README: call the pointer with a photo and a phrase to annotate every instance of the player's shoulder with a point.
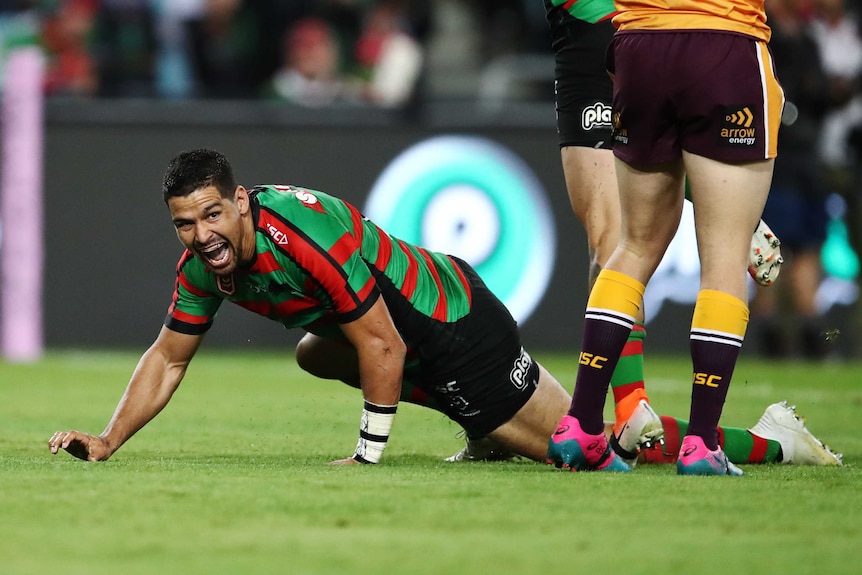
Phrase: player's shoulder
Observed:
(274, 192)
(192, 271)
(282, 198)
(186, 260)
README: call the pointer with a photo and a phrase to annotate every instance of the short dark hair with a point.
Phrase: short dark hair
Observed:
(195, 169)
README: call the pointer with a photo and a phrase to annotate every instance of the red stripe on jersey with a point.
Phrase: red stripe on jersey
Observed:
(358, 226)
(283, 309)
(187, 255)
(367, 290)
(440, 310)
(263, 308)
(312, 258)
(174, 297)
(464, 283)
(384, 250)
(412, 273)
(181, 278)
(609, 16)
(265, 263)
(292, 306)
(188, 318)
(194, 290)
(568, 4)
(345, 247)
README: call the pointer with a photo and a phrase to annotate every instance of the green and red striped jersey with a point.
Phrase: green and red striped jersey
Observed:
(317, 264)
(591, 11)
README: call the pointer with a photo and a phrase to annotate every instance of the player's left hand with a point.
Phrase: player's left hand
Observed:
(79, 444)
(348, 461)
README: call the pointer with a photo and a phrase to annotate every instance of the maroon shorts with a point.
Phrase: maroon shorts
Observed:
(706, 92)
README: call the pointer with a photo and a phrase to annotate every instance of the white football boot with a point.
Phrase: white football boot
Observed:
(765, 255)
(643, 428)
(781, 423)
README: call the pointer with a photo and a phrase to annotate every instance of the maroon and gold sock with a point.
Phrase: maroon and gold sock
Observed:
(717, 331)
(611, 310)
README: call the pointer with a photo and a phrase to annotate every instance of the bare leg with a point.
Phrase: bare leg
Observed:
(528, 431)
(728, 200)
(653, 207)
(593, 193)
(592, 188)
(328, 358)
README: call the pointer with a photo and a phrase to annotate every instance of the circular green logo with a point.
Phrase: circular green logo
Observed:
(472, 198)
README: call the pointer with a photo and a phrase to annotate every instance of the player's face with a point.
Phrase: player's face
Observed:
(212, 227)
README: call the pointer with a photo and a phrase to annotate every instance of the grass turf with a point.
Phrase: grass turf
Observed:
(232, 478)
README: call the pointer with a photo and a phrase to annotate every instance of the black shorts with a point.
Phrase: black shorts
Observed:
(584, 90)
(475, 367)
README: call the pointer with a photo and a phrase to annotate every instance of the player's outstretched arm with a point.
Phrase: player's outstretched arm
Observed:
(158, 374)
(381, 354)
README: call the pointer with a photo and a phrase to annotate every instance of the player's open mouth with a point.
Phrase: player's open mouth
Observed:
(216, 255)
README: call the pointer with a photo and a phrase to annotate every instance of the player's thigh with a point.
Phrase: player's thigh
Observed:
(592, 188)
(728, 200)
(651, 198)
(328, 358)
(528, 431)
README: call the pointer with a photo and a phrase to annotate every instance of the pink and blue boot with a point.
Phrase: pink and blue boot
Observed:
(696, 459)
(571, 448)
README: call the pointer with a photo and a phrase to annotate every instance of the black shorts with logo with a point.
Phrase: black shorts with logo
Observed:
(584, 91)
(475, 367)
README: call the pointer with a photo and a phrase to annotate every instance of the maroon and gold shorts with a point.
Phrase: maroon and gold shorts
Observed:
(710, 93)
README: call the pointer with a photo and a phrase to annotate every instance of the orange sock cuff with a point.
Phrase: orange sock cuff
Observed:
(721, 312)
(624, 408)
(617, 292)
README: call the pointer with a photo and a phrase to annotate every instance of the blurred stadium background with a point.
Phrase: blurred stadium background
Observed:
(461, 154)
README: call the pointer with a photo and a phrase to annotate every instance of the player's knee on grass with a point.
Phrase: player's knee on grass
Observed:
(328, 359)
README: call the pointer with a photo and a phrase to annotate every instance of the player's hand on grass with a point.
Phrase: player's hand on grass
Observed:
(81, 445)
(348, 461)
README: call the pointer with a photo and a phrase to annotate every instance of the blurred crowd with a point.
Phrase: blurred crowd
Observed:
(312, 52)
(813, 204)
(397, 53)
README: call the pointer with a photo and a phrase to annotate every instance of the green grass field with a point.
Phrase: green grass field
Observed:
(232, 479)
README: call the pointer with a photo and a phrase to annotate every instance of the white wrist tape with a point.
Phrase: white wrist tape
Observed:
(374, 431)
